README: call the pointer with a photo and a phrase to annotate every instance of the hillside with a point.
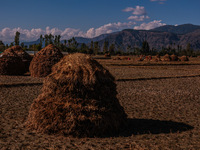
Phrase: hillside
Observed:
(157, 38)
(181, 29)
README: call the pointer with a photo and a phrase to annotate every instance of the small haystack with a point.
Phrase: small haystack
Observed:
(11, 63)
(174, 57)
(148, 58)
(141, 58)
(166, 58)
(107, 55)
(184, 58)
(156, 58)
(78, 99)
(44, 60)
(26, 58)
(117, 58)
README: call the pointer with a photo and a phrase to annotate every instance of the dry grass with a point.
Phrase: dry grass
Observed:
(163, 113)
(79, 99)
(43, 61)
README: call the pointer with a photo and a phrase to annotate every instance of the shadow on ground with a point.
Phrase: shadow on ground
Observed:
(148, 126)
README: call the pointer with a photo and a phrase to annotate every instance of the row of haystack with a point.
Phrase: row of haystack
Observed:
(173, 57)
(14, 61)
(166, 57)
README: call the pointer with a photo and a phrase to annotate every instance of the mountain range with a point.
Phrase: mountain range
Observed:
(164, 36)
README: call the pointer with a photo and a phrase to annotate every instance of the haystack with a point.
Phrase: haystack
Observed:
(184, 58)
(166, 58)
(174, 57)
(107, 55)
(156, 58)
(44, 60)
(11, 63)
(141, 58)
(26, 58)
(78, 99)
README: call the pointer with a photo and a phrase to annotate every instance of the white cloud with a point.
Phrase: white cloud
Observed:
(138, 10)
(160, 1)
(150, 25)
(138, 18)
(8, 34)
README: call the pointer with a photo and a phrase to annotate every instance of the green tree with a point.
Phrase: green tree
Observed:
(105, 47)
(96, 47)
(84, 48)
(112, 49)
(145, 47)
(46, 38)
(17, 38)
(2, 46)
(65, 42)
(41, 40)
(22, 45)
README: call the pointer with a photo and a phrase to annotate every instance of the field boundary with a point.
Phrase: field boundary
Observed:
(157, 78)
(19, 84)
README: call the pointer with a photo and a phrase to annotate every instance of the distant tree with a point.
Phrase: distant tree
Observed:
(65, 42)
(51, 37)
(84, 48)
(22, 45)
(112, 49)
(41, 40)
(17, 38)
(46, 38)
(92, 45)
(128, 48)
(2, 46)
(189, 50)
(145, 47)
(11, 44)
(105, 47)
(91, 49)
(96, 47)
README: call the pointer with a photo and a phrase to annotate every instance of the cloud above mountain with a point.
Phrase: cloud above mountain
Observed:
(8, 34)
(150, 25)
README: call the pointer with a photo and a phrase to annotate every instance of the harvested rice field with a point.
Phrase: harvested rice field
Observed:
(162, 102)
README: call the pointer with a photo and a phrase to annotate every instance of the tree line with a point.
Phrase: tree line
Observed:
(71, 46)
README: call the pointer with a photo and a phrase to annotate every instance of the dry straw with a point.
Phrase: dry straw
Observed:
(166, 58)
(78, 99)
(44, 60)
(26, 58)
(174, 57)
(11, 63)
(184, 58)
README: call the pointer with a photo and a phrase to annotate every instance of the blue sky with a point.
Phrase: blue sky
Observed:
(89, 18)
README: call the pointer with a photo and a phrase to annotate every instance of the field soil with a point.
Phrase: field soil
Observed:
(162, 102)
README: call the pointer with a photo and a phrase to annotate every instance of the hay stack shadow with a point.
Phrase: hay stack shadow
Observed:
(149, 126)
(78, 99)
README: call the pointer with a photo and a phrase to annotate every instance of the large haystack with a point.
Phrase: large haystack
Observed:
(166, 58)
(44, 60)
(26, 58)
(174, 57)
(78, 99)
(11, 63)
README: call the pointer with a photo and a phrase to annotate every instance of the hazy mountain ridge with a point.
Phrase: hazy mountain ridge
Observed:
(157, 38)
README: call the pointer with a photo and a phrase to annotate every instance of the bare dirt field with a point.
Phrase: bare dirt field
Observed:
(162, 102)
